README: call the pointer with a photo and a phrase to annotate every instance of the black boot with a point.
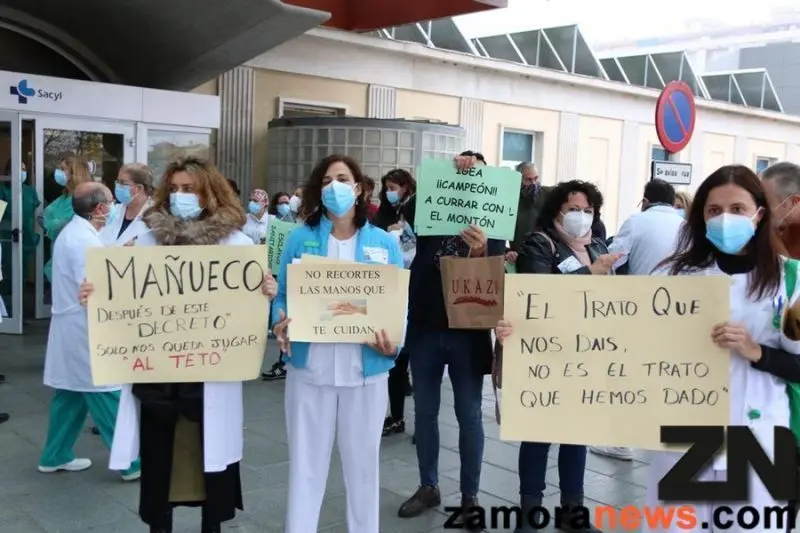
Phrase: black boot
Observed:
(165, 526)
(574, 517)
(532, 518)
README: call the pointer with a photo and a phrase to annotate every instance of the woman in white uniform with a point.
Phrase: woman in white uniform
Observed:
(729, 231)
(258, 217)
(133, 190)
(189, 434)
(335, 390)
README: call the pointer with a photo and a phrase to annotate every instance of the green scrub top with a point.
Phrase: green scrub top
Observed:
(54, 218)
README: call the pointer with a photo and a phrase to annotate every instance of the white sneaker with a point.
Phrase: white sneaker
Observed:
(133, 476)
(613, 452)
(76, 465)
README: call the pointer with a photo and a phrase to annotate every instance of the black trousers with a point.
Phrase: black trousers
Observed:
(223, 489)
(398, 377)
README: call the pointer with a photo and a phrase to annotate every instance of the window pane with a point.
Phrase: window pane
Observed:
(517, 146)
(658, 154)
(762, 164)
(166, 146)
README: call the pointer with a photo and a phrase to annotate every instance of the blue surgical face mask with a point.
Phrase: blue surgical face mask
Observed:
(123, 193)
(23, 176)
(283, 209)
(61, 177)
(730, 233)
(254, 207)
(393, 197)
(338, 198)
(184, 205)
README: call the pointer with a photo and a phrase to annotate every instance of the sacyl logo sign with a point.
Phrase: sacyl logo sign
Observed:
(23, 91)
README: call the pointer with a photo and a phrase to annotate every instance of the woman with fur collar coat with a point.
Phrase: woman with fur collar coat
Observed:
(189, 435)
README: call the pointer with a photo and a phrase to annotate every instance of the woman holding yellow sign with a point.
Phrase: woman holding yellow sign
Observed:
(189, 434)
(335, 390)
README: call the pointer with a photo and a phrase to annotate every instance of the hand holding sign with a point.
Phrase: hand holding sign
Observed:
(269, 287)
(281, 331)
(503, 330)
(85, 291)
(383, 345)
(733, 336)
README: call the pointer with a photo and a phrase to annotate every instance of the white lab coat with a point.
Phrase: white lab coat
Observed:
(67, 365)
(223, 416)
(749, 389)
(110, 232)
(257, 228)
(647, 238)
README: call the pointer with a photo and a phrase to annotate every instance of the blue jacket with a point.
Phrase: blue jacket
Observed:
(314, 241)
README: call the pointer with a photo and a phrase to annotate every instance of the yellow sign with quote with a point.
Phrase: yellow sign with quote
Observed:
(172, 314)
(608, 360)
(334, 301)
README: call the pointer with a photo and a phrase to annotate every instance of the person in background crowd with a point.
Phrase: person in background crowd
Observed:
(67, 366)
(280, 207)
(235, 187)
(782, 184)
(683, 203)
(295, 201)
(398, 190)
(645, 240)
(432, 345)
(257, 224)
(189, 434)
(72, 170)
(133, 190)
(531, 197)
(729, 231)
(369, 196)
(564, 245)
(30, 238)
(335, 391)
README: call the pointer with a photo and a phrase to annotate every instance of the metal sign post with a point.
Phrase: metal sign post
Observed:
(675, 119)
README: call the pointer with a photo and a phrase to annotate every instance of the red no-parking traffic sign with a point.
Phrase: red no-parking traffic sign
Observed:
(675, 116)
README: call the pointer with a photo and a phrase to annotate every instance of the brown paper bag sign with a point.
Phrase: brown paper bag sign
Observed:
(473, 291)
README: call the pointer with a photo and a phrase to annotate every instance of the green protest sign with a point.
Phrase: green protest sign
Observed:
(448, 200)
(278, 233)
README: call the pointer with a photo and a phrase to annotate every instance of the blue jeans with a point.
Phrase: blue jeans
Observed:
(533, 465)
(428, 356)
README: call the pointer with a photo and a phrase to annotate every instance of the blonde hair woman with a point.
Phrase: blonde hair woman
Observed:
(194, 205)
(71, 171)
(683, 202)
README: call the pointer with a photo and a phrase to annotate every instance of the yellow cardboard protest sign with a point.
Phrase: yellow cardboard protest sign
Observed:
(608, 360)
(344, 302)
(167, 314)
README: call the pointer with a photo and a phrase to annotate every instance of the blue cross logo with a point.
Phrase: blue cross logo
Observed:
(22, 91)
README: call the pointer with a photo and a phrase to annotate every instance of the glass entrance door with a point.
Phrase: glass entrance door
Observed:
(11, 183)
(100, 149)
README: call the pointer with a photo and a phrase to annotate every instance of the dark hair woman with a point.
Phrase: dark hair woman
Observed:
(335, 390)
(280, 208)
(565, 245)
(729, 231)
(189, 434)
(398, 188)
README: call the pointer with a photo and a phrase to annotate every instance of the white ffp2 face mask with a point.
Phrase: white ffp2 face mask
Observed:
(577, 223)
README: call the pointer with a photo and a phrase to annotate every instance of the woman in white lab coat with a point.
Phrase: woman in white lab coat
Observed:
(258, 217)
(194, 205)
(729, 232)
(133, 190)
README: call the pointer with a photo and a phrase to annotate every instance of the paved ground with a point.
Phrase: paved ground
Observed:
(97, 500)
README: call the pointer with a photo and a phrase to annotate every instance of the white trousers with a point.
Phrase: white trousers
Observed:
(662, 462)
(315, 415)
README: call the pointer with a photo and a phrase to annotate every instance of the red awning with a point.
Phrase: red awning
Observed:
(368, 15)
